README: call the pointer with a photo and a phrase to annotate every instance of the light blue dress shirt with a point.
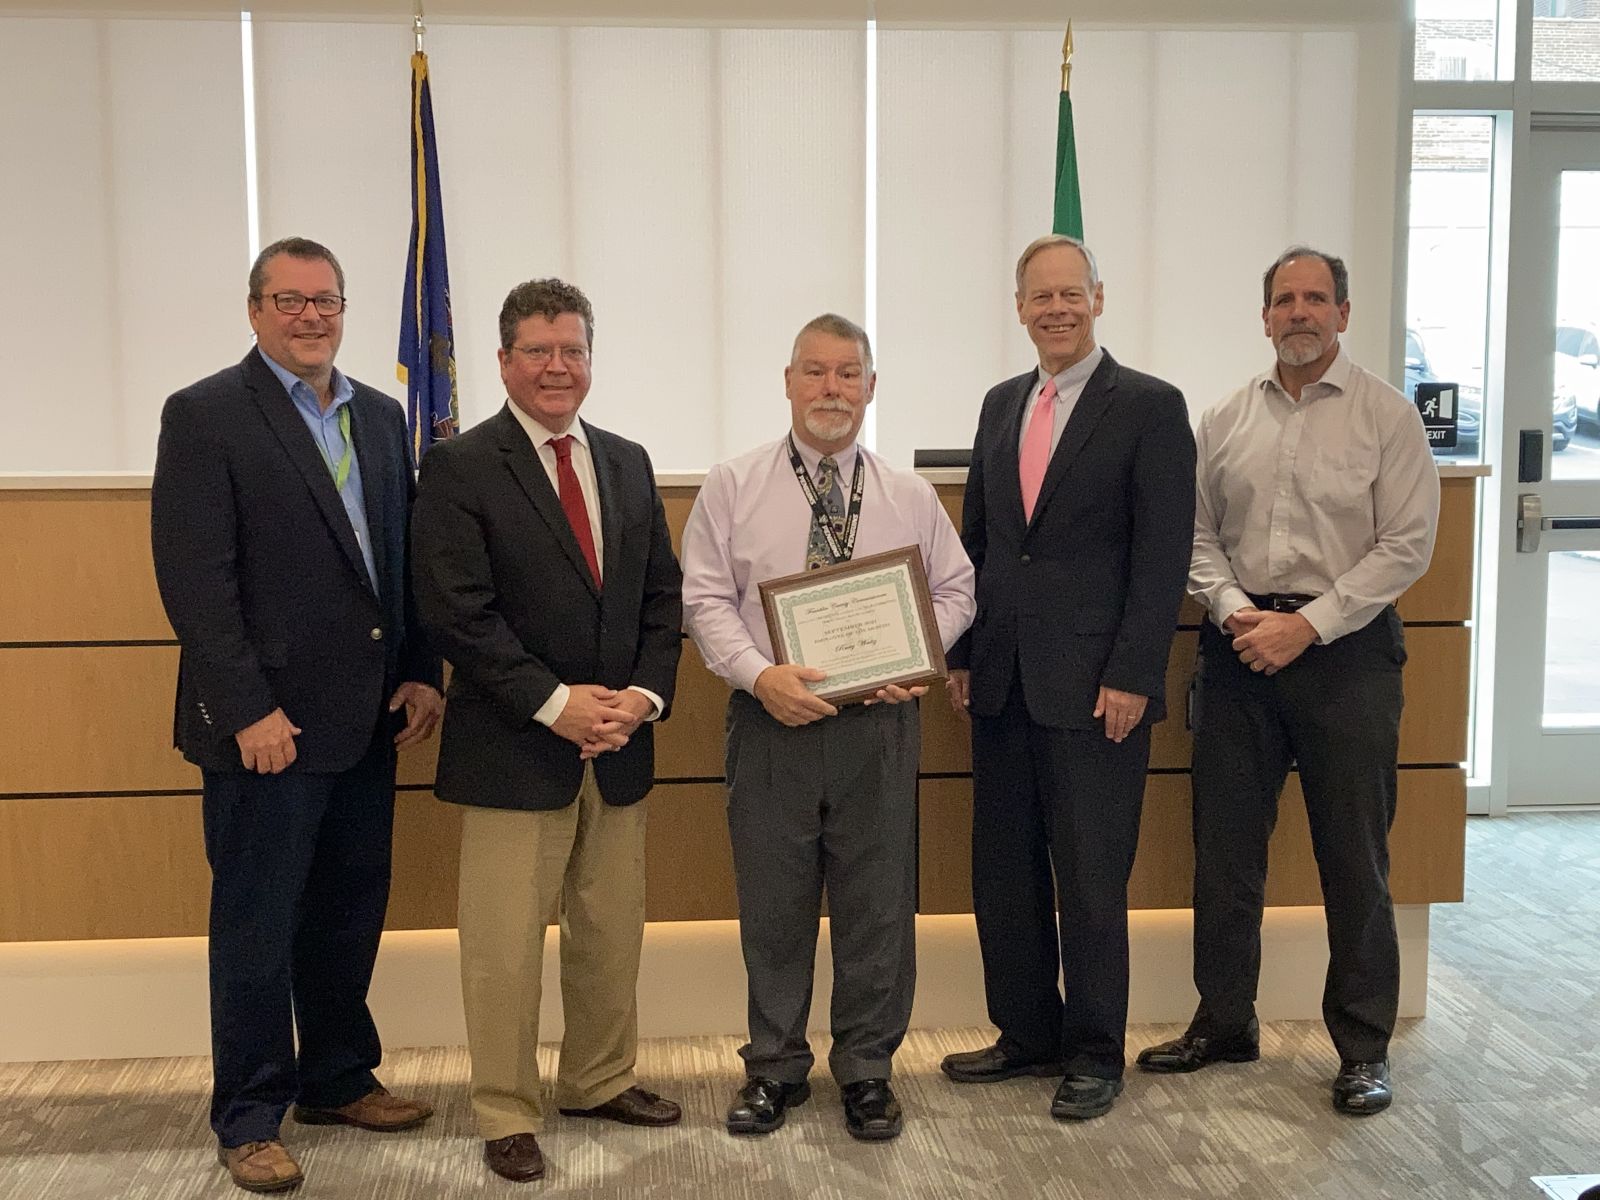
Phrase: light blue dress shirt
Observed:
(1069, 386)
(325, 432)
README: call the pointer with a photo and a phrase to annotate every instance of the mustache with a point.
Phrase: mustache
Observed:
(834, 406)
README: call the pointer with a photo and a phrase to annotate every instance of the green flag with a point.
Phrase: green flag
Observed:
(1069, 201)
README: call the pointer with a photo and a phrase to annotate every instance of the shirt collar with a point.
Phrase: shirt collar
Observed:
(1336, 377)
(343, 389)
(538, 434)
(1076, 375)
(813, 458)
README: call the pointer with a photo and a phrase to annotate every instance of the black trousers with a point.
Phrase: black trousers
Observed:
(828, 805)
(1335, 713)
(1055, 823)
(299, 885)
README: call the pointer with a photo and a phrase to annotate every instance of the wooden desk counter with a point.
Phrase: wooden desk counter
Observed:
(100, 823)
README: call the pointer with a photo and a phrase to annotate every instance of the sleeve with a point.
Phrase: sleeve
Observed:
(951, 579)
(655, 668)
(194, 541)
(455, 593)
(974, 533)
(1161, 538)
(1405, 512)
(419, 661)
(1211, 578)
(710, 590)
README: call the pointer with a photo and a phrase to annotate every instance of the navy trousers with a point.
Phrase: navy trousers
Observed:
(1055, 823)
(299, 886)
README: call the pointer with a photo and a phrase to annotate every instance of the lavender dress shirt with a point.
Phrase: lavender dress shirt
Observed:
(750, 524)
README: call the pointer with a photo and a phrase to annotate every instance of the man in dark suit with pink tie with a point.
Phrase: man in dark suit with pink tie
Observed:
(1078, 514)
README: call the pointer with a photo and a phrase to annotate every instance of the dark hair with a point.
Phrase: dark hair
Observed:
(1336, 267)
(547, 298)
(839, 327)
(294, 247)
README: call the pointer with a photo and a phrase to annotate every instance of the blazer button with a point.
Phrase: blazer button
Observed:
(377, 635)
(1026, 559)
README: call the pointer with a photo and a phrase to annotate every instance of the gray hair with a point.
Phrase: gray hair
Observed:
(1058, 239)
(294, 247)
(839, 327)
(547, 298)
(1336, 267)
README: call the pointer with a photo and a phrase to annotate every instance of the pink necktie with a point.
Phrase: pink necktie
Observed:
(1035, 457)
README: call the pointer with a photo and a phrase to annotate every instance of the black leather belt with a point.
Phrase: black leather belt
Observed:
(1284, 602)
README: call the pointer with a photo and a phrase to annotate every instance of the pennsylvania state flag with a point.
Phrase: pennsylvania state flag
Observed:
(427, 363)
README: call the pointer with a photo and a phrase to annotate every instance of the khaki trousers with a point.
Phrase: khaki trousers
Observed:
(519, 871)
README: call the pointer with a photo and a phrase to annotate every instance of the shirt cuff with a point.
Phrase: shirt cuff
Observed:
(551, 708)
(1230, 601)
(657, 706)
(1323, 613)
(746, 669)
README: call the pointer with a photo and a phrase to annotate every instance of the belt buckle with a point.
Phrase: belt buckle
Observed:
(1287, 604)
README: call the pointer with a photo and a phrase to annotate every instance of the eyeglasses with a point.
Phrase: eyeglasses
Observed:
(292, 304)
(572, 356)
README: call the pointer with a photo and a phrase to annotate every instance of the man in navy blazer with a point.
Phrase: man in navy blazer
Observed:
(545, 574)
(1077, 516)
(279, 524)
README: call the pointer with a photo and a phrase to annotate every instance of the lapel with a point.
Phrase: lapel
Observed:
(525, 465)
(1086, 414)
(374, 485)
(290, 428)
(606, 472)
(1009, 472)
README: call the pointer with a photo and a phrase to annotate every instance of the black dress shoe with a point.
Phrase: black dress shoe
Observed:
(1081, 1097)
(516, 1158)
(1191, 1052)
(762, 1104)
(992, 1063)
(871, 1113)
(1362, 1088)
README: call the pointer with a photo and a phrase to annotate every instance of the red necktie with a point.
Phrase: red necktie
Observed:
(572, 503)
(1035, 457)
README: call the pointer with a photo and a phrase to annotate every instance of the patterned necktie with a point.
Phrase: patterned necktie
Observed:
(832, 497)
(572, 503)
(1035, 457)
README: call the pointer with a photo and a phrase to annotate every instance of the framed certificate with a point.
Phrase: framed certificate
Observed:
(868, 622)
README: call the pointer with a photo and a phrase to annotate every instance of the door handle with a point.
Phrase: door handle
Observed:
(1531, 522)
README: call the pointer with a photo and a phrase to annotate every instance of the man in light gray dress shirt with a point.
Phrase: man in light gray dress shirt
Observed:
(1316, 505)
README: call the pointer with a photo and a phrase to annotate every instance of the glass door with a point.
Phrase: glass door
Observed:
(1548, 644)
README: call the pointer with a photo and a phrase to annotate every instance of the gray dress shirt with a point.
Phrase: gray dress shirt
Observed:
(1334, 496)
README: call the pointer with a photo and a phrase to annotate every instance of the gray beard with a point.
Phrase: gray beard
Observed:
(1294, 354)
(827, 426)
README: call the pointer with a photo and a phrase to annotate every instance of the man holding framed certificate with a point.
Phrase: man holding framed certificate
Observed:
(811, 549)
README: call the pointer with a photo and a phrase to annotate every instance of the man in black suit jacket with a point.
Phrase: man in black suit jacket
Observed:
(279, 521)
(545, 573)
(1077, 517)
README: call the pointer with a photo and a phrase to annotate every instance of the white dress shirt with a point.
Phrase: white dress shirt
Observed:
(583, 468)
(1334, 496)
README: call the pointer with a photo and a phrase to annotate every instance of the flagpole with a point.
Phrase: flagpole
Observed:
(417, 27)
(1066, 55)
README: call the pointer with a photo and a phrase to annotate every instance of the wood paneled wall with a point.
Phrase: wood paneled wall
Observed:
(99, 816)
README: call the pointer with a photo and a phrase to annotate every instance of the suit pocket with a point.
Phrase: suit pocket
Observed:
(1101, 622)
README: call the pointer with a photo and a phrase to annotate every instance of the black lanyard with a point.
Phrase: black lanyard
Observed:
(841, 551)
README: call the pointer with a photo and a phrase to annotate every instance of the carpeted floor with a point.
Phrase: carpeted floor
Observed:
(1500, 1082)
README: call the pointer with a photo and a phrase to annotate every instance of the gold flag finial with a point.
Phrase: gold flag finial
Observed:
(1066, 60)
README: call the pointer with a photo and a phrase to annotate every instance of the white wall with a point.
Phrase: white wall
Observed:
(707, 188)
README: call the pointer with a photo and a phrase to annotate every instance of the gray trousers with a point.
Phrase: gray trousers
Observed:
(832, 804)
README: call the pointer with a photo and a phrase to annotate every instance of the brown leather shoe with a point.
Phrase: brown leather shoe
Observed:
(377, 1110)
(261, 1166)
(516, 1158)
(632, 1107)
